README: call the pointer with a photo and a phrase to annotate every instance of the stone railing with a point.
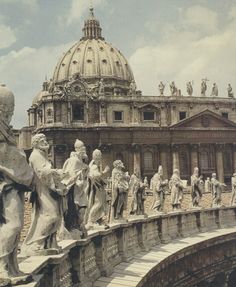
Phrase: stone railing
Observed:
(82, 262)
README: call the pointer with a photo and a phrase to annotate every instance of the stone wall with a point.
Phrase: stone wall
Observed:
(82, 262)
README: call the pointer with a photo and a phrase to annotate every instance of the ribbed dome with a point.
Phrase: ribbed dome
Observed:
(93, 57)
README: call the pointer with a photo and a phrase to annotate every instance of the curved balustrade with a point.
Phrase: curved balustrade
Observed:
(87, 262)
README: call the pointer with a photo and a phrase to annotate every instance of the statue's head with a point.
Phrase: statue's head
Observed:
(39, 141)
(80, 149)
(7, 103)
(176, 172)
(196, 171)
(97, 156)
(160, 170)
(118, 164)
(213, 175)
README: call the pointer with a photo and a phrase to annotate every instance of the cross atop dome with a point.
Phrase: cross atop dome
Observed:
(92, 29)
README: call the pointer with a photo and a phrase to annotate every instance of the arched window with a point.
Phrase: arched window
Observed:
(148, 160)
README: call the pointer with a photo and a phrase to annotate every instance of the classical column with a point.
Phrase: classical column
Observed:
(137, 158)
(175, 157)
(194, 157)
(220, 162)
(234, 157)
(164, 160)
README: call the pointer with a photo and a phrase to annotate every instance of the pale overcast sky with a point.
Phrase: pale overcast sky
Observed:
(180, 40)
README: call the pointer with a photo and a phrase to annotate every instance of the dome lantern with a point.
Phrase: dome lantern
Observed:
(92, 29)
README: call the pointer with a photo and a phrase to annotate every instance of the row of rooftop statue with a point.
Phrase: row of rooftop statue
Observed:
(189, 87)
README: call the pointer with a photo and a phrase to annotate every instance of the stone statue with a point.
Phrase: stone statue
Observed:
(46, 202)
(132, 87)
(208, 185)
(196, 192)
(233, 184)
(214, 92)
(230, 91)
(189, 89)
(15, 178)
(176, 187)
(161, 87)
(137, 191)
(101, 87)
(77, 168)
(203, 87)
(145, 182)
(158, 188)
(96, 191)
(216, 191)
(119, 192)
(173, 89)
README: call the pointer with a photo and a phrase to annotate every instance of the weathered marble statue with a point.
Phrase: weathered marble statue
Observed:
(96, 191)
(145, 182)
(46, 202)
(158, 188)
(77, 169)
(230, 91)
(137, 191)
(196, 192)
(217, 188)
(173, 89)
(208, 185)
(119, 192)
(214, 92)
(203, 87)
(15, 177)
(161, 87)
(189, 89)
(132, 87)
(233, 184)
(176, 187)
(101, 87)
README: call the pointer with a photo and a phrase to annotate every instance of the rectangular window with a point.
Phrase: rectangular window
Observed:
(182, 115)
(118, 116)
(225, 115)
(148, 116)
(78, 112)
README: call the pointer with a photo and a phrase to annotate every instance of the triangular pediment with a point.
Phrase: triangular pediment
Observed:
(204, 120)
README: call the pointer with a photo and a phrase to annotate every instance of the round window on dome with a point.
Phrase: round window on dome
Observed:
(104, 61)
(101, 49)
(74, 62)
(63, 64)
(89, 61)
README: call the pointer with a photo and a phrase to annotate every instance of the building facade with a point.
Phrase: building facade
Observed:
(93, 97)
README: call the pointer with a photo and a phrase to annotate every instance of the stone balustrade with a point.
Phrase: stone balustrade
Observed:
(82, 262)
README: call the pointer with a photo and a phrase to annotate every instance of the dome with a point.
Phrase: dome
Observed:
(5, 93)
(93, 58)
(39, 97)
(6, 96)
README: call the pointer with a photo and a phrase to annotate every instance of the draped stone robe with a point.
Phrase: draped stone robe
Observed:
(15, 177)
(46, 211)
